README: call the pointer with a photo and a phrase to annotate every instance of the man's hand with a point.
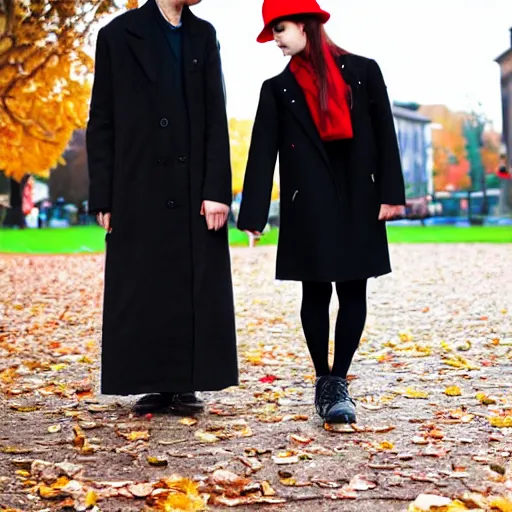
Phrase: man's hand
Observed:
(216, 214)
(104, 221)
(391, 211)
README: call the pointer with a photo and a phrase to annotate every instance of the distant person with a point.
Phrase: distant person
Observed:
(328, 117)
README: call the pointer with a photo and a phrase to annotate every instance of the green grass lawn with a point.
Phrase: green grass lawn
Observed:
(92, 239)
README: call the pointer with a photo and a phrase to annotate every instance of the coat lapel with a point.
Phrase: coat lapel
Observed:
(140, 32)
(192, 54)
(351, 79)
(295, 100)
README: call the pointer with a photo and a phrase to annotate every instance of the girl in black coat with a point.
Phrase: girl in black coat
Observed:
(329, 118)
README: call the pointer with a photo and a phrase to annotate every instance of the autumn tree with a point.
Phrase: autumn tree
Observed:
(240, 131)
(44, 79)
(451, 165)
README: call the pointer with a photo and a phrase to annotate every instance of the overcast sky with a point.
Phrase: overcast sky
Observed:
(436, 51)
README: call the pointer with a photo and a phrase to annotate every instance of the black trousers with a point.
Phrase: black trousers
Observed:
(316, 298)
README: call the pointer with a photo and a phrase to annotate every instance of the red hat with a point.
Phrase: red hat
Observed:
(275, 9)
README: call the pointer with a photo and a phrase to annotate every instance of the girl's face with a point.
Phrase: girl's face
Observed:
(290, 37)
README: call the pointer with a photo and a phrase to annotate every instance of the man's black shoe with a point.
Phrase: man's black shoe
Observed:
(180, 403)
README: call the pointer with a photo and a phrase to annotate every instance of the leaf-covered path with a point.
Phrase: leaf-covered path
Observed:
(432, 380)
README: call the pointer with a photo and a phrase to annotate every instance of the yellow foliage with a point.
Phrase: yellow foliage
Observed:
(240, 131)
(180, 494)
(44, 81)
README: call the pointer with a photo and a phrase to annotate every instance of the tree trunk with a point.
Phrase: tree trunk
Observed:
(14, 216)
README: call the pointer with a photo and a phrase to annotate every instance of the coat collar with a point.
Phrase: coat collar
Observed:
(295, 100)
(140, 28)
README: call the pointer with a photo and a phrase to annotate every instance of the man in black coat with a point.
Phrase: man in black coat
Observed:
(160, 185)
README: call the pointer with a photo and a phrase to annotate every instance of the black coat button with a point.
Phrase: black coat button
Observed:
(182, 159)
(171, 204)
(161, 161)
(164, 122)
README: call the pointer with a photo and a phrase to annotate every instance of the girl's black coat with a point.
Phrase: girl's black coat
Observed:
(327, 232)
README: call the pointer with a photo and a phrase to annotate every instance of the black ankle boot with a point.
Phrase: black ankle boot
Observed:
(332, 401)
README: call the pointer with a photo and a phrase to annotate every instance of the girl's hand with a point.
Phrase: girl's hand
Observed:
(391, 211)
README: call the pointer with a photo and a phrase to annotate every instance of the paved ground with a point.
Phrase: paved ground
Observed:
(438, 326)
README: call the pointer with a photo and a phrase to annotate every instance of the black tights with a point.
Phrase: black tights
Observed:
(314, 313)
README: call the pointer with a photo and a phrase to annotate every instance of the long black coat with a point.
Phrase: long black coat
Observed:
(168, 323)
(327, 232)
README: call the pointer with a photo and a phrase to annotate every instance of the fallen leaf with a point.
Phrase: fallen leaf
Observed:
(189, 422)
(268, 379)
(136, 435)
(251, 462)
(53, 429)
(362, 483)
(248, 500)
(412, 393)
(484, 399)
(301, 440)
(206, 437)
(140, 490)
(90, 499)
(285, 459)
(225, 477)
(288, 482)
(453, 391)
(501, 421)
(345, 493)
(27, 408)
(428, 501)
(157, 461)
(267, 489)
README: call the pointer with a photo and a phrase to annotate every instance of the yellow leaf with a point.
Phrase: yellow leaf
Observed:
(175, 502)
(386, 445)
(412, 393)
(189, 422)
(267, 489)
(446, 346)
(57, 367)
(49, 493)
(90, 499)
(453, 391)
(484, 399)
(53, 429)
(28, 408)
(137, 436)
(458, 361)
(501, 421)
(157, 461)
(501, 504)
(288, 482)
